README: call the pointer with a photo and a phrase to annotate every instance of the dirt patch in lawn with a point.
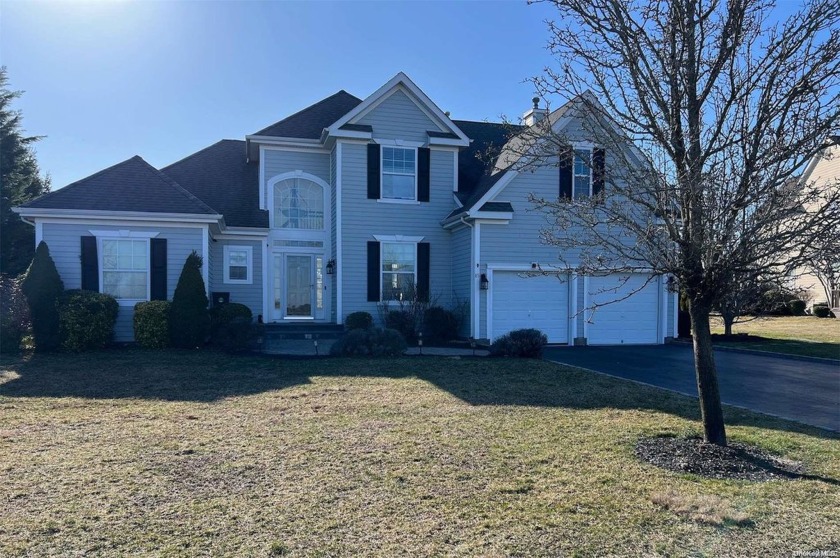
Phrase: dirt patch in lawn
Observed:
(736, 461)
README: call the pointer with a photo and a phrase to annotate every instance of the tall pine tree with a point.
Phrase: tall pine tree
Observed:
(20, 181)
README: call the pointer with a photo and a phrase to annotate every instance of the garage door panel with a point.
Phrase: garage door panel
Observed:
(540, 302)
(630, 314)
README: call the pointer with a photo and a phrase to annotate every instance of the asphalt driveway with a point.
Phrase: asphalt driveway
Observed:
(801, 390)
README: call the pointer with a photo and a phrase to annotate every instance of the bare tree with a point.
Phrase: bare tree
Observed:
(824, 263)
(706, 112)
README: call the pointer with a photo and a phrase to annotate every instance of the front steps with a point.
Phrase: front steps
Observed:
(300, 338)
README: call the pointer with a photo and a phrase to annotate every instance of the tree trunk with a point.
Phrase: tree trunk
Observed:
(714, 430)
(727, 324)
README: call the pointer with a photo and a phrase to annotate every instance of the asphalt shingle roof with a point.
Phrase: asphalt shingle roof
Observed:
(133, 185)
(220, 176)
(311, 121)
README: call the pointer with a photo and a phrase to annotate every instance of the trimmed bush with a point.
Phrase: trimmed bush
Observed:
(374, 342)
(797, 307)
(86, 320)
(189, 322)
(42, 286)
(524, 343)
(822, 311)
(151, 324)
(402, 321)
(231, 327)
(358, 320)
(440, 325)
(14, 315)
(226, 313)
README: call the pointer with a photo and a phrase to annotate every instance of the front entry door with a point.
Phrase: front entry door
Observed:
(298, 287)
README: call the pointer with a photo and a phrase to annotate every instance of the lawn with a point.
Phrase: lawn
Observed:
(196, 454)
(796, 335)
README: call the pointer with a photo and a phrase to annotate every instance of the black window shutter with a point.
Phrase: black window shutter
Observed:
(423, 173)
(566, 164)
(373, 171)
(90, 264)
(374, 270)
(598, 157)
(423, 264)
(158, 261)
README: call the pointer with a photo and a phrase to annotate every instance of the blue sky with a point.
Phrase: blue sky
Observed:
(104, 81)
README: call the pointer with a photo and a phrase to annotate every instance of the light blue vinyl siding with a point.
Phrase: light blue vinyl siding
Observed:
(333, 231)
(363, 218)
(64, 241)
(398, 117)
(671, 327)
(277, 162)
(249, 295)
(462, 273)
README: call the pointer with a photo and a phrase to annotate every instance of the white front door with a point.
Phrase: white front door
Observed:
(298, 287)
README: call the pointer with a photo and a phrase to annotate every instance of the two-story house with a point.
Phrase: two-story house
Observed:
(340, 207)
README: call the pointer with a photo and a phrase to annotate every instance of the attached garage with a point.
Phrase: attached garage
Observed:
(631, 314)
(520, 301)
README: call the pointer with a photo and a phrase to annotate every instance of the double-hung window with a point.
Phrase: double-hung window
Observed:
(399, 270)
(125, 268)
(399, 173)
(582, 174)
(238, 264)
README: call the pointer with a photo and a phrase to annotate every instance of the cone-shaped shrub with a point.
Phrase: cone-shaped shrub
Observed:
(189, 321)
(42, 286)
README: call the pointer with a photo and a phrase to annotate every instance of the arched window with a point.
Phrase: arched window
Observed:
(298, 204)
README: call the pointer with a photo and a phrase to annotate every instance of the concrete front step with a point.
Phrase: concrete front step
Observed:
(303, 331)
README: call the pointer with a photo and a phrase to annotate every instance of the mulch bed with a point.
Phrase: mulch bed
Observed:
(736, 461)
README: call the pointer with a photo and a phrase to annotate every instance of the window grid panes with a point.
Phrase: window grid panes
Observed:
(238, 265)
(583, 173)
(298, 204)
(125, 268)
(399, 263)
(399, 171)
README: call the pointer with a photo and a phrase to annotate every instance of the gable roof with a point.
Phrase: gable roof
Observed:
(475, 161)
(133, 185)
(311, 121)
(220, 175)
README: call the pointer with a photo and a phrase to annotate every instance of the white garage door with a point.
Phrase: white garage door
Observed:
(540, 302)
(630, 320)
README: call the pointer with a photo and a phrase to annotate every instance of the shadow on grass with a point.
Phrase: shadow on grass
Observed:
(207, 376)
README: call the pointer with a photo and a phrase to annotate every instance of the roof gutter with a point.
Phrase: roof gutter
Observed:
(41, 212)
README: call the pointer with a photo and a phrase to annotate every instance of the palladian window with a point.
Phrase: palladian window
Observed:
(298, 204)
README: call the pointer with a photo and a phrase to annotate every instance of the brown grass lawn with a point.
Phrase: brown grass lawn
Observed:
(196, 454)
(798, 335)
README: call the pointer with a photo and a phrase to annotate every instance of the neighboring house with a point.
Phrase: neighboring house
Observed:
(824, 172)
(339, 208)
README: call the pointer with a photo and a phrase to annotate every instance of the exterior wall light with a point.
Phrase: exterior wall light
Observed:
(483, 282)
(330, 267)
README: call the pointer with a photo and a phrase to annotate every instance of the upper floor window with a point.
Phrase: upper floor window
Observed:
(399, 173)
(298, 204)
(582, 174)
(125, 268)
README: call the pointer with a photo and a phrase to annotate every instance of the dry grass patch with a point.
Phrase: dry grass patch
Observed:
(195, 453)
(797, 335)
(703, 508)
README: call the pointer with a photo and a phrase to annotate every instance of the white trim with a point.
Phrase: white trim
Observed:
(675, 333)
(268, 289)
(385, 91)
(119, 223)
(399, 143)
(256, 236)
(100, 254)
(39, 232)
(296, 149)
(397, 238)
(476, 269)
(262, 188)
(83, 214)
(382, 173)
(285, 141)
(347, 134)
(205, 258)
(585, 306)
(488, 311)
(455, 174)
(445, 142)
(663, 310)
(339, 318)
(249, 263)
(124, 233)
(491, 193)
(573, 309)
(399, 200)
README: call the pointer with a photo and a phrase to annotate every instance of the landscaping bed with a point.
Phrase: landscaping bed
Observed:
(195, 453)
